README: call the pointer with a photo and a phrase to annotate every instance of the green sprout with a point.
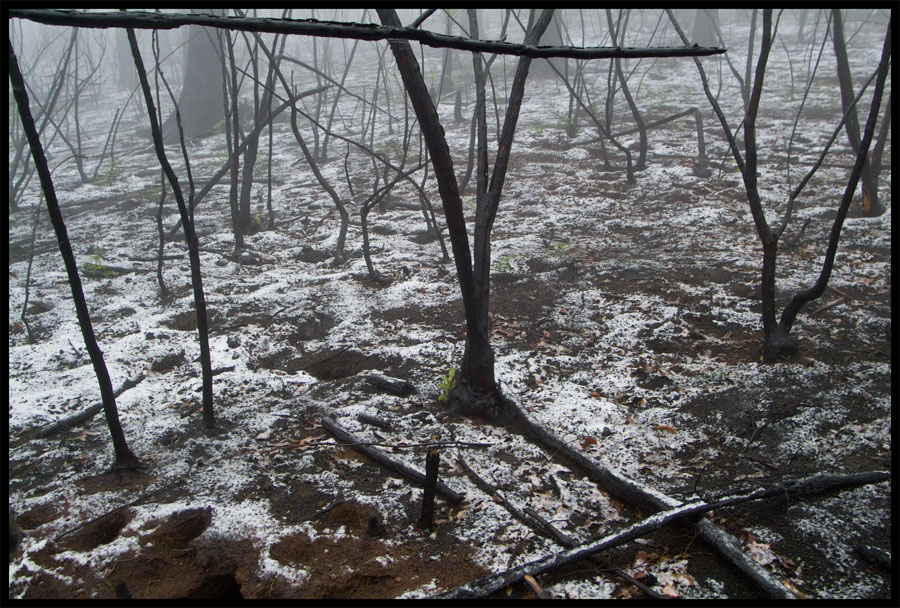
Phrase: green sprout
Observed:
(108, 177)
(559, 248)
(448, 383)
(99, 270)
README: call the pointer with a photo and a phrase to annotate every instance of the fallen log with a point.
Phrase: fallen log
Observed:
(345, 436)
(874, 555)
(84, 416)
(650, 499)
(394, 386)
(533, 520)
(375, 421)
(485, 586)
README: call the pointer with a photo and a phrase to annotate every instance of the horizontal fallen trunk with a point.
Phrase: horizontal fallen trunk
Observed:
(650, 499)
(491, 584)
(84, 416)
(536, 522)
(342, 434)
(395, 386)
(358, 31)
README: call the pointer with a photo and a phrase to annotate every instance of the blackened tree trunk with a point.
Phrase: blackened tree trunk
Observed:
(706, 22)
(200, 102)
(126, 78)
(190, 234)
(870, 204)
(551, 37)
(232, 136)
(777, 339)
(800, 299)
(476, 389)
(617, 35)
(125, 460)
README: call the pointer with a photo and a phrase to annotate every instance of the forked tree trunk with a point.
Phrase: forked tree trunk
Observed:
(777, 339)
(476, 389)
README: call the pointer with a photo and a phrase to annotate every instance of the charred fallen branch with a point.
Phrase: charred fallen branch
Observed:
(394, 386)
(342, 434)
(357, 31)
(84, 416)
(533, 520)
(818, 483)
(653, 500)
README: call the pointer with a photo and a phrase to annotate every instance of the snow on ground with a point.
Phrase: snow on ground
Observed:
(629, 325)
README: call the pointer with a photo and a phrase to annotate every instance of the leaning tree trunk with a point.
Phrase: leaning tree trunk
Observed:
(125, 460)
(190, 234)
(797, 302)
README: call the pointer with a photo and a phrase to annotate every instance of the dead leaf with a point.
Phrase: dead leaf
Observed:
(623, 593)
(794, 589)
(666, 428)
(669, 589)
(588, 442)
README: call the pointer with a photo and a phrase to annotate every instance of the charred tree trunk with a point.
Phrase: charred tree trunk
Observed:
(800, 299)
(189, 233)
(125, 460)
(232, 137)
(199, 102)
(777, 341)
(476, 389)
(870, 204)
(615, 32)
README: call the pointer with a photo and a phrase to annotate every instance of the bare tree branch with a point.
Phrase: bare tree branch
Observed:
(332, 29)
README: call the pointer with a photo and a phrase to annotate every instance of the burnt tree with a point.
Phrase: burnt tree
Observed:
(187, 219)
(777, 339)
(476, 389)
(200, 102)
(870, 204)
(125, 460)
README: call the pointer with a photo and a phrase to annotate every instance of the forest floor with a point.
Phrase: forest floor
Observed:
(625, 318)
